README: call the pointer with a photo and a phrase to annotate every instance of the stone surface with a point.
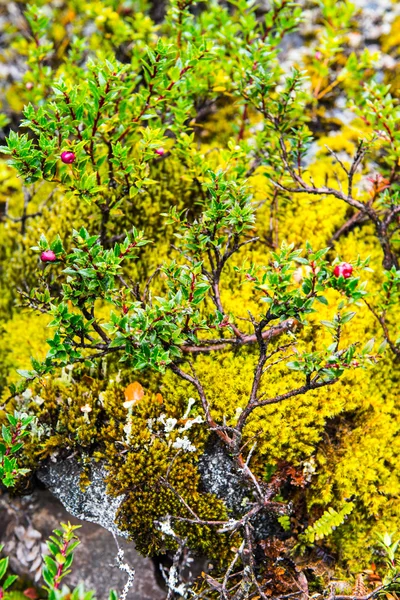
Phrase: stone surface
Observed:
(25, 524)
(94, 505)
(220, 477)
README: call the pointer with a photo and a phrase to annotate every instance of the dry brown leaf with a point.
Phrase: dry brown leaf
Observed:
(133, 394)
(31, 593)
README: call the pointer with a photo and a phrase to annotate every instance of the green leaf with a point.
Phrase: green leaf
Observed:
(294, 365)
(6, 434)
(368, 346)
(48, 577)
(50, 564)
(27, 374)
(3, 566)
(9, 581)
(347, 317)
(382, 347)
(16, 447)
(13, 420)
(328, 324)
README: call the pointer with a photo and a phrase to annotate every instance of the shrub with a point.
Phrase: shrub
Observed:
(192, 216)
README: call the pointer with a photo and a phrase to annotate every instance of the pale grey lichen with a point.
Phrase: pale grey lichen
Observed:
(94, 504)
(124, 566)
(220, 476)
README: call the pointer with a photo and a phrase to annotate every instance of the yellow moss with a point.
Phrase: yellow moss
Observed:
(23, 336)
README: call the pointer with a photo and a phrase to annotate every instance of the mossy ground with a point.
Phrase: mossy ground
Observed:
(349, 432)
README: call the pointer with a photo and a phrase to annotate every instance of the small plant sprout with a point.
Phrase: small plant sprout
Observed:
(12, 435)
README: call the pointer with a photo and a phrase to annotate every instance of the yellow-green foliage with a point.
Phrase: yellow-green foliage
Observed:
(330, 520)
(14, 595)
(150, 461)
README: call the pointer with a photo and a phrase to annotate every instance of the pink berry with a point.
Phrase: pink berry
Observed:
(68, 157)
(160, 151)
(48, 256)
(29, 85)
(343, 270)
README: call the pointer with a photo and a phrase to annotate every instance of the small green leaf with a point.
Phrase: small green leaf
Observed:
(3, 566)
(9, 581)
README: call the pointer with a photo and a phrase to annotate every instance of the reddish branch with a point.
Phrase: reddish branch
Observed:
(240, 339)
(14, 438)
(381, 223)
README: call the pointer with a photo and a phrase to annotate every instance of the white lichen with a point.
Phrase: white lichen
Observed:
(184, 444)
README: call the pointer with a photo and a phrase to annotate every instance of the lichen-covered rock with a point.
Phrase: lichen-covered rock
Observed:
(219, 476)
(93, 504)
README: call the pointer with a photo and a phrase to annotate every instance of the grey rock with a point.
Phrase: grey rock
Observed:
(220, 476)
(94, 504)
(94, 563)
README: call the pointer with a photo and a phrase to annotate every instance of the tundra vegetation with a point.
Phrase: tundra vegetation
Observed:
(200, 282)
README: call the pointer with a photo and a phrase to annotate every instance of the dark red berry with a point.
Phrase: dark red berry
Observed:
(160, 151)
(68, 157)
(125, 309)
(343, 270)
(48, 256)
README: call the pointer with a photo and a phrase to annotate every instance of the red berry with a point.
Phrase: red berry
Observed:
(343, 270)
(160, 151)
(68, 157)
(48, 256)
(125, 309)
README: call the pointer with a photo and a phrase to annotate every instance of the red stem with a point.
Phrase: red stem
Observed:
(13, 440)
(57, 580)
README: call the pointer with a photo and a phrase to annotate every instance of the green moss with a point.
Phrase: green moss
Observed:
(92, 422)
